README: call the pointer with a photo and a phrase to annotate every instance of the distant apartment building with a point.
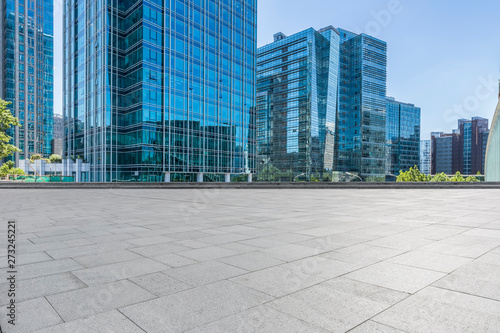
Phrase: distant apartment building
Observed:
(297, 87)
(361, 122)
(26, 79)
(402, 136)
(463, 150)
(425, 157)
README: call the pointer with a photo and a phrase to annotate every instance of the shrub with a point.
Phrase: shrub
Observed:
(8, 169)
(440, 177)
(55, 158)
(412, 175)
(35, 157)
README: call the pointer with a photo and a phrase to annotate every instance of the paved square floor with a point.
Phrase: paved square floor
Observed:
(253, 260)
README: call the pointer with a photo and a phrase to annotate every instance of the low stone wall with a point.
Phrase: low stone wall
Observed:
(254, 185)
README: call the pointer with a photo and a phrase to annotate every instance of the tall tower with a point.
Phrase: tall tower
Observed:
(160, 88)
(27, 53)
(297, 94)
(361, 130)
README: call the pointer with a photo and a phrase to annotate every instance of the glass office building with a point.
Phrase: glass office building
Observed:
(297, 95)
(361, 130)
(473, 135)
(27, 52)
(402, 136)
(425, 157)
(161, 90)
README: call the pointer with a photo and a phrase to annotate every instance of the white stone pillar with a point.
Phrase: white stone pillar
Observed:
(167, 177)
(250, 177)
(199, 177)
(227, 177)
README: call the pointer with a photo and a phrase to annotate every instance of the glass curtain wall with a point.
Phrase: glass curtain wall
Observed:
(27, 51)
(155, 87)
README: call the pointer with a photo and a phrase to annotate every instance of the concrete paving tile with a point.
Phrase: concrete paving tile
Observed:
(44, 247)
(223, 238)
(322, 267)
(492, 258)
(174, 260)
(78, 242)
(240, 248)
(204, 273)
(149, 240)
(31, 258)
(160, 284)
(251, 261)
(292, 252)
(46, 268)
(337, 241)
(483, 233)
(89, 301)
(30, 315)
(263, 243)
(195, 307)
(483, 288)
(429, 260)
(106, 258)
(157, 249)
(261, 319)
(436, 232)
(362, 254)
(86, 250)
(397, 277)
(109, 322)
(463, 245)
(119, 271)
(400, 242)
(441, 311)
(337, 307)
(374, 327)
(208, 253)
(277, 281)
(42, 286)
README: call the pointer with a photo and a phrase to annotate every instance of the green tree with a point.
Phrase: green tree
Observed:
(457, 177)
(412, 175)
(440, 177)
(471, 179)
(35, 157)
(8, 169)
(55, 158)
(6, 121)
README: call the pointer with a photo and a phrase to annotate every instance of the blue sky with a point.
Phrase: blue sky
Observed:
(443, 56)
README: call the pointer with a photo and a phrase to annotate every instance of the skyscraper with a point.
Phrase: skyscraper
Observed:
(472, 137)
(360, 144)
(161, 89)
(402, 136)
(27, 48)
(297, 84)
(425, 157)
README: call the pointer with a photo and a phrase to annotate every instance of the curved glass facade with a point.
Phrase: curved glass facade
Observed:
(157, 86)
(492, 164)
